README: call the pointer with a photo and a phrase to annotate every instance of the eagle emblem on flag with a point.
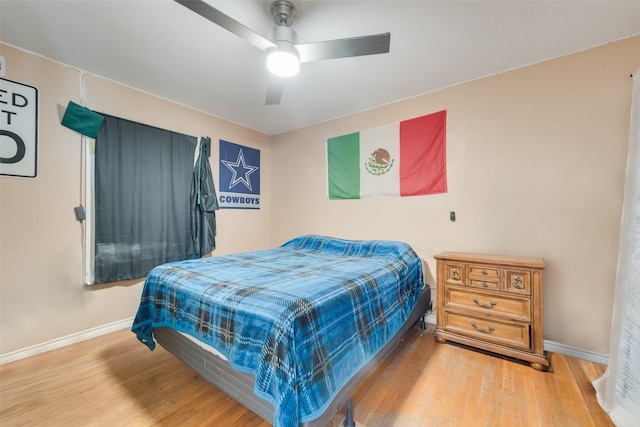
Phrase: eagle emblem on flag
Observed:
(380, 162)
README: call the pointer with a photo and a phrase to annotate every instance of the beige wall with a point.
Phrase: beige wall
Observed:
(41, 292)
(536, 160)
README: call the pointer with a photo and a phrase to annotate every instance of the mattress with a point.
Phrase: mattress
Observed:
(302, 318)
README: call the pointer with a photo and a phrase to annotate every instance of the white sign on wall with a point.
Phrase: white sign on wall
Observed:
(18, 129)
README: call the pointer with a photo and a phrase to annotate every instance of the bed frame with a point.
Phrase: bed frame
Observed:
(239, 385)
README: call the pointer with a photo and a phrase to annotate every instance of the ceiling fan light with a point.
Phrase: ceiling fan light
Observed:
(283, 62)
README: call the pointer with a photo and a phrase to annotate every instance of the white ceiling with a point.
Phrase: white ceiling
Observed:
(163, 48)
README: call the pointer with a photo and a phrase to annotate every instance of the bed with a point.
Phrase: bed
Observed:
(289, 331)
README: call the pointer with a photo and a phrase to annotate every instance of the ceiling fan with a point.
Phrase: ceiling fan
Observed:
(284, 53)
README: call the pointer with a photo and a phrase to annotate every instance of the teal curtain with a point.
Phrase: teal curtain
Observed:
(143, 178)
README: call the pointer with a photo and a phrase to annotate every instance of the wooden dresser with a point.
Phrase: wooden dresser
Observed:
(493, 303)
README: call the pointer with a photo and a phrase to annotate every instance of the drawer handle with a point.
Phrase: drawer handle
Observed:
(483, 330)
(455, 274)
(479, 304)
(484, 284)
(517, 283)
(484, 272)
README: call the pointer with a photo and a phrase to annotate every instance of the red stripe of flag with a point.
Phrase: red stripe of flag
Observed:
(423, 165)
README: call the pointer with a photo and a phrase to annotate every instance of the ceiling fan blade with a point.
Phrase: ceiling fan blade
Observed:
(274, 91)
(344, 48)
(214, 15)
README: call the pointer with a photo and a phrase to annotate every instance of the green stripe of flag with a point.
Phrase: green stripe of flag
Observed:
(343, 154)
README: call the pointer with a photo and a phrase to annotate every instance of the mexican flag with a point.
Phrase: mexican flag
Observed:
(400, 159)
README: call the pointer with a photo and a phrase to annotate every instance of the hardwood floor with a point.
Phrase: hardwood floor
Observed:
(114, 380)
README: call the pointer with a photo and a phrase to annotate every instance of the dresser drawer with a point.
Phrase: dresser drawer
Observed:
(484, 272)
(485, 284)
(509, 334)
(454, 273)
(484, 277)
(517, 281)
(489, 305)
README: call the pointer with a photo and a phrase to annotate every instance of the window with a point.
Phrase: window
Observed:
(142, 179)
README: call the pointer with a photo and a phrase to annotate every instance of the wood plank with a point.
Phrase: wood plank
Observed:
(115, 380)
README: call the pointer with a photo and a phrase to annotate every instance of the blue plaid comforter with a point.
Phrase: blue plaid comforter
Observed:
(303, 318)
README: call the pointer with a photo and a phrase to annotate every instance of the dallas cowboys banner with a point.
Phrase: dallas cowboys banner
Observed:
(239, 176)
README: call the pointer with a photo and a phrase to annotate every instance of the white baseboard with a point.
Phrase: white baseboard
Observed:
(591, 356)
(431, 318)
(551, 346)
(556, 347)
(64, 341)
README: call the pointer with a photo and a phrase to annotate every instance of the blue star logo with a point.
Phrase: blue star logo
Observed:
(240, 171)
